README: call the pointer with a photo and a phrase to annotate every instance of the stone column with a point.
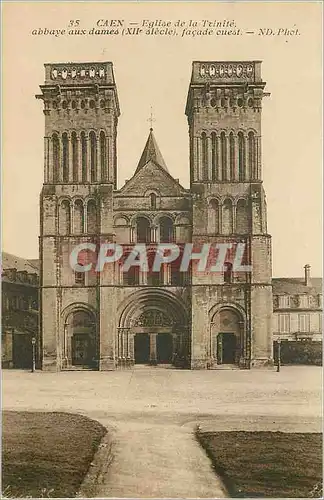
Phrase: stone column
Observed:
(153, 353)
(209, 158)
(153, 234)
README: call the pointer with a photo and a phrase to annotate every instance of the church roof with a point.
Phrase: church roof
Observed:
(10, 261)
(151, 151)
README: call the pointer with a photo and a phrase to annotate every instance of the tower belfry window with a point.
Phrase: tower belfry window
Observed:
(84, 156)
(74, 156)
(214, 156)
(223, 156)
(232, 155)
(241, 159)
(93, 157)
(252, 159)
(103, 156)
(204, 159)
(56, 157)
(65, 157)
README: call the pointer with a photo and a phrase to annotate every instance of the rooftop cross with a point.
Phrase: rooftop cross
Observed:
(151, 119)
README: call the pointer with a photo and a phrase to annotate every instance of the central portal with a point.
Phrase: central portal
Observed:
(164, 348)
(142, 348)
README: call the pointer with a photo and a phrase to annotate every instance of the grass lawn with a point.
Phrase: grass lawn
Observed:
(46, 454)
(266, 464)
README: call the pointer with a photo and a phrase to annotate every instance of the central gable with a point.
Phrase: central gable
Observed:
(152, 176)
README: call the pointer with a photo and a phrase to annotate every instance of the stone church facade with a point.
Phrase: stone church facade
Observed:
(113, 319)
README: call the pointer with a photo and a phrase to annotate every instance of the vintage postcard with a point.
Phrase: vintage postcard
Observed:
(162, 249)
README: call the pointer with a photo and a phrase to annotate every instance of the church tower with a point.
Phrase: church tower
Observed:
(231, 309)
(76, 206)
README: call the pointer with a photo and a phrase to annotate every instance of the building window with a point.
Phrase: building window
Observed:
(214, 156)
(232, 155)
(304, 323)
(56, 157)
(74, 142)
(284, 323)
(304, 301)
(103, 156)
(65, 157)
(223, 155)
(79, 278)
(166, 230)
(204, 156)
(241, 156)
(153, 201)
(228, 272)
(93, 156)
(143, 230)
(252, 156)
(284, 301)
(84, 156)
(227, 217)
(131, 277)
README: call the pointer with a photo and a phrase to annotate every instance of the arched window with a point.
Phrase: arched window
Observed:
(78, 217)
(56, 157)
(103, 156)
(252, 162)
(74, 156)
(64, 217)
(91, 217)
(214, 156)
(232, 155)
(93, 157)
(84, 156)
(166, 229)
(65, 157)
(227, 219)
(223, 155)
(153, 201)
(213, 217)
(143, 230)
(242, 217)
(241, 157)
(204, 156)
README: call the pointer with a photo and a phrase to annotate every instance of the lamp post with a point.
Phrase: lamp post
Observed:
(33, 341)
(279, 355)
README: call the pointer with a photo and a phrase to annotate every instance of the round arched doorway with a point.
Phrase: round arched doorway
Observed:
(227, 336)
(153, 329)
(80, 348)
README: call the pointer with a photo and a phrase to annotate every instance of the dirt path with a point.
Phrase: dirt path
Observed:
(158, 461)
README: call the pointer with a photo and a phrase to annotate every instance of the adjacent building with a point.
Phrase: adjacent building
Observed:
(20, 286)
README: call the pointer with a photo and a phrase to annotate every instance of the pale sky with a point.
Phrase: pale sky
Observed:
(155, 71)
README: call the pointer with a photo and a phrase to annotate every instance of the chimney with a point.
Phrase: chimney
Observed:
(307, 275)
